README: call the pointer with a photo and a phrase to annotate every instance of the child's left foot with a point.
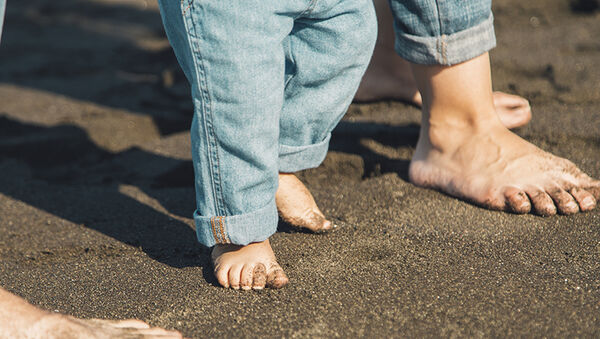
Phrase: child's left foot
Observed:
(297, 206)
(253, 266)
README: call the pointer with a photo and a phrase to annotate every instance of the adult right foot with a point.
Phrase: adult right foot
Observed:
(465, 151)
(493, 167)
(253, 266)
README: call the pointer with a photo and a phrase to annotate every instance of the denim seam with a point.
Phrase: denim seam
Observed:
(441, 43)
(308, 10)
(207, 110)
(214, 231)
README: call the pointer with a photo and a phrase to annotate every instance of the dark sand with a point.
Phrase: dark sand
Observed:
(96, 194)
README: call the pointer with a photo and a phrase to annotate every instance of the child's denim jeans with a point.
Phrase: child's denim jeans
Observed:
(443, 32)
(2, 9)
(270, 79)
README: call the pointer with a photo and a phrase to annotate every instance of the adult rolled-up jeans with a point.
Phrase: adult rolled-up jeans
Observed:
(442, 32)
(269, 80)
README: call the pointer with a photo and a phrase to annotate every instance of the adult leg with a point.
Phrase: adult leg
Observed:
(389, 76)
(19, 319)
(235, 63)
(463, 149)
(327, 53)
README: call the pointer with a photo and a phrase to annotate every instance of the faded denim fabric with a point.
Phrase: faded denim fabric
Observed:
(270, 79)
(2, 9)
(444, 32)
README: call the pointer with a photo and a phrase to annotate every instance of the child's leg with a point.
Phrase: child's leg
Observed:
(327, 53)
(2, 9)
(233, 57)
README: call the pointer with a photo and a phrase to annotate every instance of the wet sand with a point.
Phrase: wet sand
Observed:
(96, 195)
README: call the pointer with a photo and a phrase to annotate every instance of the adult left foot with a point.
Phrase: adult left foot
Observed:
(393, 80)
(297, 206)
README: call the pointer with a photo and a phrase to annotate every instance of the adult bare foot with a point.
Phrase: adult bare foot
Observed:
(67, 327)
(390, 77)
(297, 206)
(465, 151)
(19, 319)
(497, 169)
(393, 80)
(253, 266)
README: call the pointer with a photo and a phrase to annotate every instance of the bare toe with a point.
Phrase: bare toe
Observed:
(222, 274)
(514, 111)
(234, 276)
(542, 203)
(276, 277)
(260, 277)
(517, 201)
(595, 191)
(584, 198)
(246, 277)
(565, 202)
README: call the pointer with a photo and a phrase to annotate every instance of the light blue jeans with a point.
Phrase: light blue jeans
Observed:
(2, 9)
(443, 32)
(270, 79)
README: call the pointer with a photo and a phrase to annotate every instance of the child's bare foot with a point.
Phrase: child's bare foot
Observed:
(495, 168)
(394, 80)
(253, 266)
(297, 206)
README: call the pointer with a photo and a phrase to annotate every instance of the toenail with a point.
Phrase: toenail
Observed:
(246, 288)
(258, 288)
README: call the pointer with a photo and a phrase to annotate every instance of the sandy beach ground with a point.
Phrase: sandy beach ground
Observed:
(96, 193)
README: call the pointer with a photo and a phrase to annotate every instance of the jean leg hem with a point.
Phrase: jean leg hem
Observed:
(298, 158)
(241, 229)
(447, 49)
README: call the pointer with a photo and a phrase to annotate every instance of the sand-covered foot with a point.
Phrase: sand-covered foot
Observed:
(253, 266)
(67, 327)
(393, 80)
(495, 168)
(297, 206)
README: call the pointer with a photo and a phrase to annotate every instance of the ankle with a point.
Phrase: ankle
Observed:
(447, 131)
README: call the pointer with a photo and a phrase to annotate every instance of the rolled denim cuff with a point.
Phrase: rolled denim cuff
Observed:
(447, 49)
(298, 158)
(237, 229)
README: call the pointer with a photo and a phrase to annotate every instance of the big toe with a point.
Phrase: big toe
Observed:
(276, 277)
(514, 111)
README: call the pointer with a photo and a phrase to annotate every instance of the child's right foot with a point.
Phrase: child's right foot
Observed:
(297, 206)
(253, 266)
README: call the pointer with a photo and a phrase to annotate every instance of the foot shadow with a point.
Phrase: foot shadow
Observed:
(69, 176)
(348, 138)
